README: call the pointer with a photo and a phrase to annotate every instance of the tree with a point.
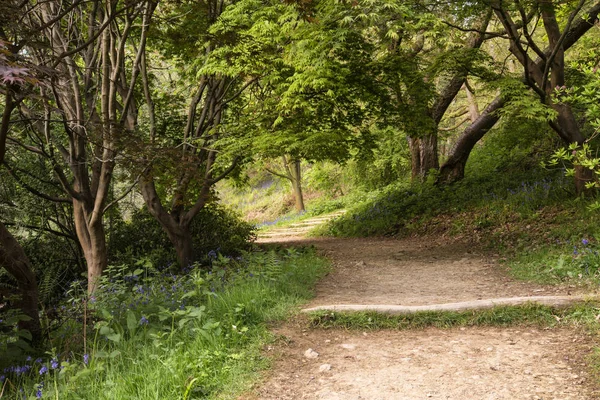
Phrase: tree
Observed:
(181, 165)
(540, 73)
(293, 173)
(91, 52)
(12, 256)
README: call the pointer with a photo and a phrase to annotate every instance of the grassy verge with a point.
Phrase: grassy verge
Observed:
(163, 336)
(584, 314)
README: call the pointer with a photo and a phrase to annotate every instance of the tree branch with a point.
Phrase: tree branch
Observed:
(44, 229)
(123, 195)
(33, 190)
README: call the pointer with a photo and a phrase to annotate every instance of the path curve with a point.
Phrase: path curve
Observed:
(417, 274)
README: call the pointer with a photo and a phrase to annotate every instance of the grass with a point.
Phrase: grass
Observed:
(584, 314)
(194, 336)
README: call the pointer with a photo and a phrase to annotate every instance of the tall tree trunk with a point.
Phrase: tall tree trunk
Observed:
(14, 260)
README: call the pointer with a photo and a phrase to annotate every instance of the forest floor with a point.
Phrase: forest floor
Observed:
(519, 362)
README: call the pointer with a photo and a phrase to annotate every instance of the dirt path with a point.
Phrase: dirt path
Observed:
(466, 363)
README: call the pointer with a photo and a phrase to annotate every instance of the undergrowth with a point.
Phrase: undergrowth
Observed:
(159, 335)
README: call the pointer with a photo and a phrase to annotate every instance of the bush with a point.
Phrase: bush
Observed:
(215, 228)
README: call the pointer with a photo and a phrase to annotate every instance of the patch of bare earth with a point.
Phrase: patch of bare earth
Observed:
(458, 364)
(465, 363)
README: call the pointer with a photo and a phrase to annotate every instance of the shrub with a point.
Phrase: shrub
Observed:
(215, 228)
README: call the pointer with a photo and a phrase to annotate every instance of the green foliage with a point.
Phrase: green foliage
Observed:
(158, 335)
(522, 102)
(405, 208)
(575, 260)
(215, 228)
(515, 144)
(384, 164)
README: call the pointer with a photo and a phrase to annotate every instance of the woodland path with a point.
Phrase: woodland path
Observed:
(462, 363)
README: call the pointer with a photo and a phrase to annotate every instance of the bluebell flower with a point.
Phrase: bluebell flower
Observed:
(144, 320)
(54, 363)
(43, 370)
(38, 393)
(21, 370)
(38, 360)
(585, 242)
(86, 359)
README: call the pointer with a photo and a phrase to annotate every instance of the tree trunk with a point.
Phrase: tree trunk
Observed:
(454, 167)
(12, 256)
(567, 128)
(15, 261)
(473, 107)
(295, 174)
(424, 155)
(414, 145)
(181, 239)
(93, 243)
(178, 231)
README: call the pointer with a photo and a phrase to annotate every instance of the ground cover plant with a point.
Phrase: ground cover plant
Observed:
(154, 334)
(581, 315)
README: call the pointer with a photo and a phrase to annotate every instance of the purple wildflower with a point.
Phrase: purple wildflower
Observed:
(144, 320)
(585, 242)
(86, 359)
(54, 363)
(43, 370)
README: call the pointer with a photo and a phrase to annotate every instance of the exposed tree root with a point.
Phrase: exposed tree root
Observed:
(553, 301)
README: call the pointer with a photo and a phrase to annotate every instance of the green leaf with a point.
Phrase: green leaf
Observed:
(115, 337)
(132, 321)
(114, 354)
